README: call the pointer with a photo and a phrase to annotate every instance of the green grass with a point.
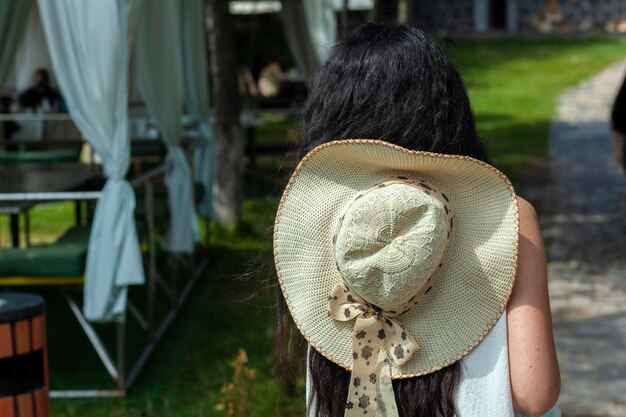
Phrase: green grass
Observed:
(512, 83)
(47, 222)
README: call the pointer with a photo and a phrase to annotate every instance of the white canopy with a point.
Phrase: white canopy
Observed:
(88, 43)
(311, 29)
(160, 78)
(13, 17)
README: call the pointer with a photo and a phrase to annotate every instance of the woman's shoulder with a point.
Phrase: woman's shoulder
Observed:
(526, 210)
(529, 232)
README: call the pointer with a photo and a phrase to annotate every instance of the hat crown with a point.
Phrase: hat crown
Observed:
(390, 242)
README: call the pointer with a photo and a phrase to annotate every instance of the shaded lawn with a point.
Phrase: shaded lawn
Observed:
(512, 85)
(186, 374)
(230, 309)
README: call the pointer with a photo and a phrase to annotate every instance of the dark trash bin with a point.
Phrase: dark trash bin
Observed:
(23, 360)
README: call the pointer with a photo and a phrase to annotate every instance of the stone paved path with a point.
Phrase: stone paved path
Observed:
(581, 208)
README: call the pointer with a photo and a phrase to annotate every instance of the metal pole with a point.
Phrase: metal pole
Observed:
(174, 280)
(63, 195)
(134, 311)
(167, 321)
(78, 205)
(15, 230)
(151, 257)
(87, 393)
(27, 227)
(121, 354)
(101, 350)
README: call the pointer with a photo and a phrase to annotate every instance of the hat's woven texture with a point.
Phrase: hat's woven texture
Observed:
(390, 243)
(478, 268)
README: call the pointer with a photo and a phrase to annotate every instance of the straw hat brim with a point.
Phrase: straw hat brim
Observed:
(477, 272)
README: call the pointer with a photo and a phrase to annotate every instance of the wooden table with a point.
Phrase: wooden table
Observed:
(35, 117)
(24, 185)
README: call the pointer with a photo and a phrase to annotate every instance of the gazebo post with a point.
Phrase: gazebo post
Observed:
(151, 284)
(121, 354)
(174, 280)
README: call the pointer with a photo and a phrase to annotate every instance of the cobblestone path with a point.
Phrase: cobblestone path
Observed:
(581, 209)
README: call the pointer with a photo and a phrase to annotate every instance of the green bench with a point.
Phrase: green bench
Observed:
(58, 263)
(19, 157)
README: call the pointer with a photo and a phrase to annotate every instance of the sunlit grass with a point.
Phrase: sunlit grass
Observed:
(513, 84)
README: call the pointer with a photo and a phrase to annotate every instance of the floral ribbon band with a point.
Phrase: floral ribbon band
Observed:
(376, 339)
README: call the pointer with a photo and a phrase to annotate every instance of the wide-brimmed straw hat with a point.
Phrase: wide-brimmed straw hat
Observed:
(394, 262)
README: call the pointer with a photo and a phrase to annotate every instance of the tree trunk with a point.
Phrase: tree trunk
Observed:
(229, 146)
(404, 11)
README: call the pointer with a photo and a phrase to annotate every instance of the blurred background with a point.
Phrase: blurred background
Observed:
(144, 145)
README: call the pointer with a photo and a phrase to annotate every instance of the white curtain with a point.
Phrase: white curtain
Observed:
(133, 10)
(32, 53)
(88, 45)
(322, 24)
(160, 79)
(298, 37)
(13, 17)
(311, 31)
(196, 80)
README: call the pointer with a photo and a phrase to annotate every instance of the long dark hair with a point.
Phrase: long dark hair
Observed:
(390, 82)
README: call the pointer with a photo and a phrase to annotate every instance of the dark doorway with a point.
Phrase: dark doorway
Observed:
(497, 14)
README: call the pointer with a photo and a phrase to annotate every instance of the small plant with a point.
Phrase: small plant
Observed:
(235, 396)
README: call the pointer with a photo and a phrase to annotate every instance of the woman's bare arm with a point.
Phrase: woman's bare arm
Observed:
(535, 377)
(618, 145)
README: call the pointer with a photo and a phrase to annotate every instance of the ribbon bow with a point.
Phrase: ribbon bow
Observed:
(376, 339)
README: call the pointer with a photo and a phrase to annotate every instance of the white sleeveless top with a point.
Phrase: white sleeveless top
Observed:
(485, 385)
(484, 388)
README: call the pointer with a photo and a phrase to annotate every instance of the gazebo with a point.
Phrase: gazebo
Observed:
(89, 45)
